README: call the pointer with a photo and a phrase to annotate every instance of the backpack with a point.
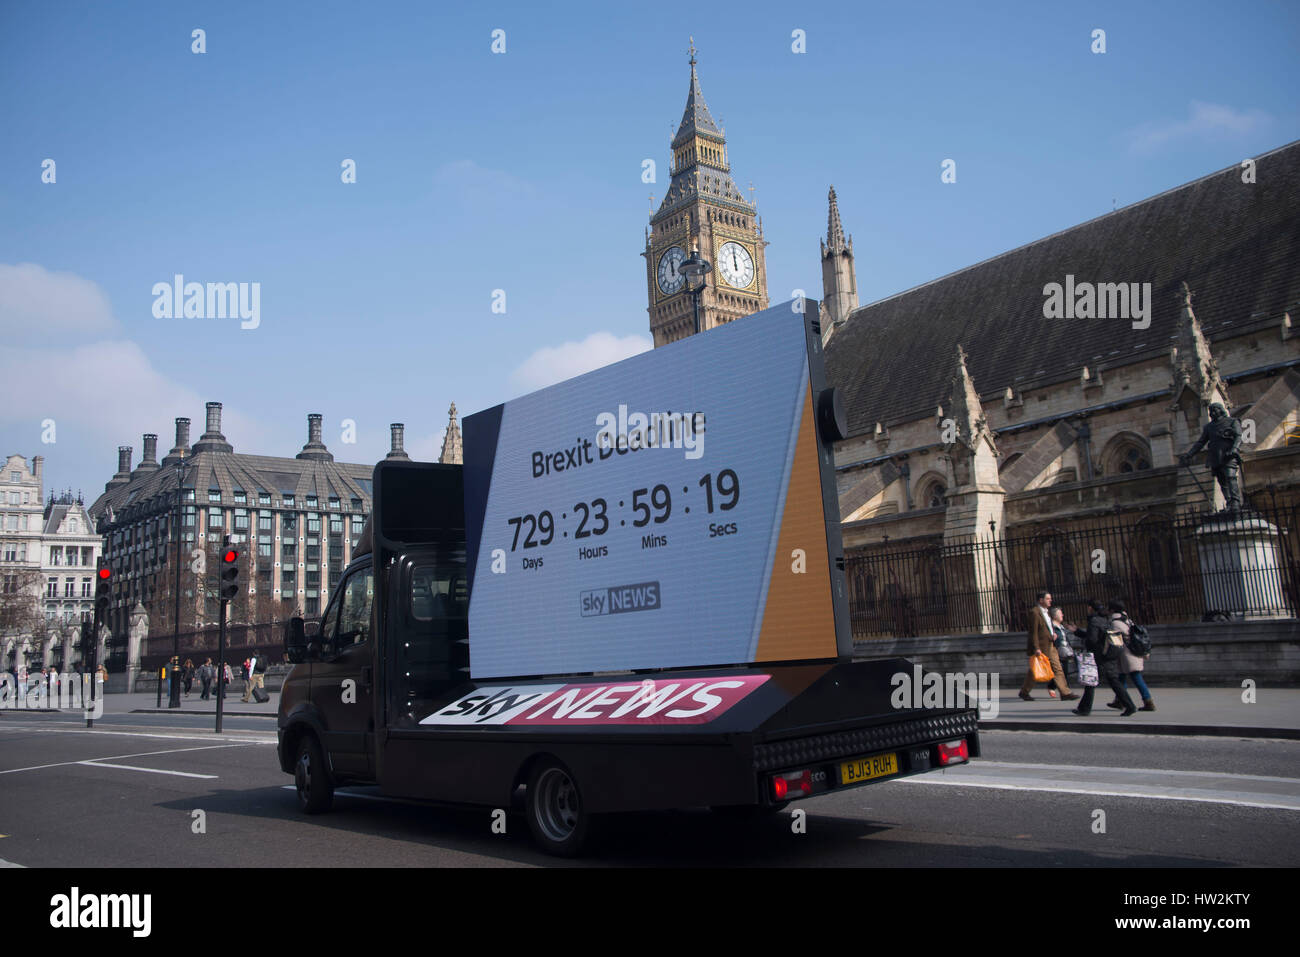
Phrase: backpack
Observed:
(1114, 642)
(1139, 642)
(259, 665)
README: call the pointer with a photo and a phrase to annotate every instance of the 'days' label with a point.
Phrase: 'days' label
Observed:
(678, 701)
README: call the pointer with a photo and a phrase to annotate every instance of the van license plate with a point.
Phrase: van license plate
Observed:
(863, 769)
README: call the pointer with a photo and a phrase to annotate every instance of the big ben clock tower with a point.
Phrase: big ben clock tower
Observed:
(703, 208)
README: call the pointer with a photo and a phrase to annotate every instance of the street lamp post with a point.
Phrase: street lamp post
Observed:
(696, 268)
(174, 698)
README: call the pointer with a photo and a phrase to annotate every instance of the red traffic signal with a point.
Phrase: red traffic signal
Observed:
(229, 573)
(101, 588)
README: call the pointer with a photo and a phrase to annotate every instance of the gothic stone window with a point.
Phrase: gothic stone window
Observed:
(935, 495)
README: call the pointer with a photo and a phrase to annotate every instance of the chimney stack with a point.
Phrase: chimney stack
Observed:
(123, 475)
(212, 440)
(315, 448)
(150, 461)
(38, 470)
(399, 435)
(182, 446)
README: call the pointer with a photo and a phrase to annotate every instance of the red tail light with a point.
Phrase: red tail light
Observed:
(792, 784)
(953, 752)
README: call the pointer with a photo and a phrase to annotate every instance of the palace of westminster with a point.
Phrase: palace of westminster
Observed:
(969, 413)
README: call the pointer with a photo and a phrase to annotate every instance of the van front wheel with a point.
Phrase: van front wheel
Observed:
(311, 777)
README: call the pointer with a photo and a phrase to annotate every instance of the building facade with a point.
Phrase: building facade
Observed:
(48, 554)
(299, 520)
(1058, 383)
(70, 551)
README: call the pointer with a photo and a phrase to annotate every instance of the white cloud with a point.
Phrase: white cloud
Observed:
(37, 305)
(100, 394)
(1204, 120)
(552, 364)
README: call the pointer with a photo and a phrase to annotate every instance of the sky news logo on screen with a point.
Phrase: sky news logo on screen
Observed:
(619, 599)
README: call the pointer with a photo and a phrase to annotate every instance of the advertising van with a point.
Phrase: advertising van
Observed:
(629, 597)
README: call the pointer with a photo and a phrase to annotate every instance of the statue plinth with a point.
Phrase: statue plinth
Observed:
(1240, 569)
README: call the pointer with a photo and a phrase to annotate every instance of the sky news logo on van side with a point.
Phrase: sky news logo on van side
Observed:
(619, 599)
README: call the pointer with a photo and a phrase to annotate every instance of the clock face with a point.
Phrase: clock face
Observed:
(736, 265)
(670, 278)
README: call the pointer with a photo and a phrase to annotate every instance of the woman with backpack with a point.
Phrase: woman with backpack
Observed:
(1129, 663)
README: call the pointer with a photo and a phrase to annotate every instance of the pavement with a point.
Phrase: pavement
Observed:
(1274, 712)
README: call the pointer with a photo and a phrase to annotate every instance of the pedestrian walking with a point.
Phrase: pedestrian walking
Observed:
(1097, 642)
(1061, 639)
(189, 676)
(256, 671)
(1130, 665)
(1039, 626)
(206, 674)
(226, 679)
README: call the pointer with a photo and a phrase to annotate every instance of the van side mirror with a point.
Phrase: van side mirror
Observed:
(295, 640)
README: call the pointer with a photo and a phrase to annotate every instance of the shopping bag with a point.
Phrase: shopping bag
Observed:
(1042, 667)
(1088, 670)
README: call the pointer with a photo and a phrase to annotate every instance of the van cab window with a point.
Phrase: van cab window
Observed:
(347, 622)
(354, 615)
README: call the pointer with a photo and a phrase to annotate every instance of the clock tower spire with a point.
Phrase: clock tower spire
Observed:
(704, 206)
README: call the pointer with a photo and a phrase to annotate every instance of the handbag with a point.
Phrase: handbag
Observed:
(1041, 667)
(1088, 670)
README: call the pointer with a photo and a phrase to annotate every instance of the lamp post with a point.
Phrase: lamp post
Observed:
(696, 268)
(174, 697)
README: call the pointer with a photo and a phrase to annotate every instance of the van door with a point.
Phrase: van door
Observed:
(428, 635)
(342, 682)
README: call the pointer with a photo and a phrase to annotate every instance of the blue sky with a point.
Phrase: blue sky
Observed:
(522, 171)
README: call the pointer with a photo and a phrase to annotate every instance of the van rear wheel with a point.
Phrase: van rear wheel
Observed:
(311, 777)
(556, 816)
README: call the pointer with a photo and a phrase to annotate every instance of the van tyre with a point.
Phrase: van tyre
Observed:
(311, 777)
(554, 807)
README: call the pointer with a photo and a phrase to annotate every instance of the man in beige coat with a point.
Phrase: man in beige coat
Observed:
(1039, 625)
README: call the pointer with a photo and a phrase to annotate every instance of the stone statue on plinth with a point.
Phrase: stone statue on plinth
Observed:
(1221, 438)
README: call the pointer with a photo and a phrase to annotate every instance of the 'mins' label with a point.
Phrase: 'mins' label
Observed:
(679, 701)
(619, 599)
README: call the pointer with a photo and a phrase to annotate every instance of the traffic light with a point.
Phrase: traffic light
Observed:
(229, 572)
(102, 582)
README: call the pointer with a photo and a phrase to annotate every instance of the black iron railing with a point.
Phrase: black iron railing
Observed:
(1165, 567)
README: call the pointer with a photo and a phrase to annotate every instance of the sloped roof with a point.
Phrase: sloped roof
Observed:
(231, 471)
(1237, 246)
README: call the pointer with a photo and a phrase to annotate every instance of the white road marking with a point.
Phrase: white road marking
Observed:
(114, 757)
(211, 736)
(128, 767)
(4, 863)
(1156, 784)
